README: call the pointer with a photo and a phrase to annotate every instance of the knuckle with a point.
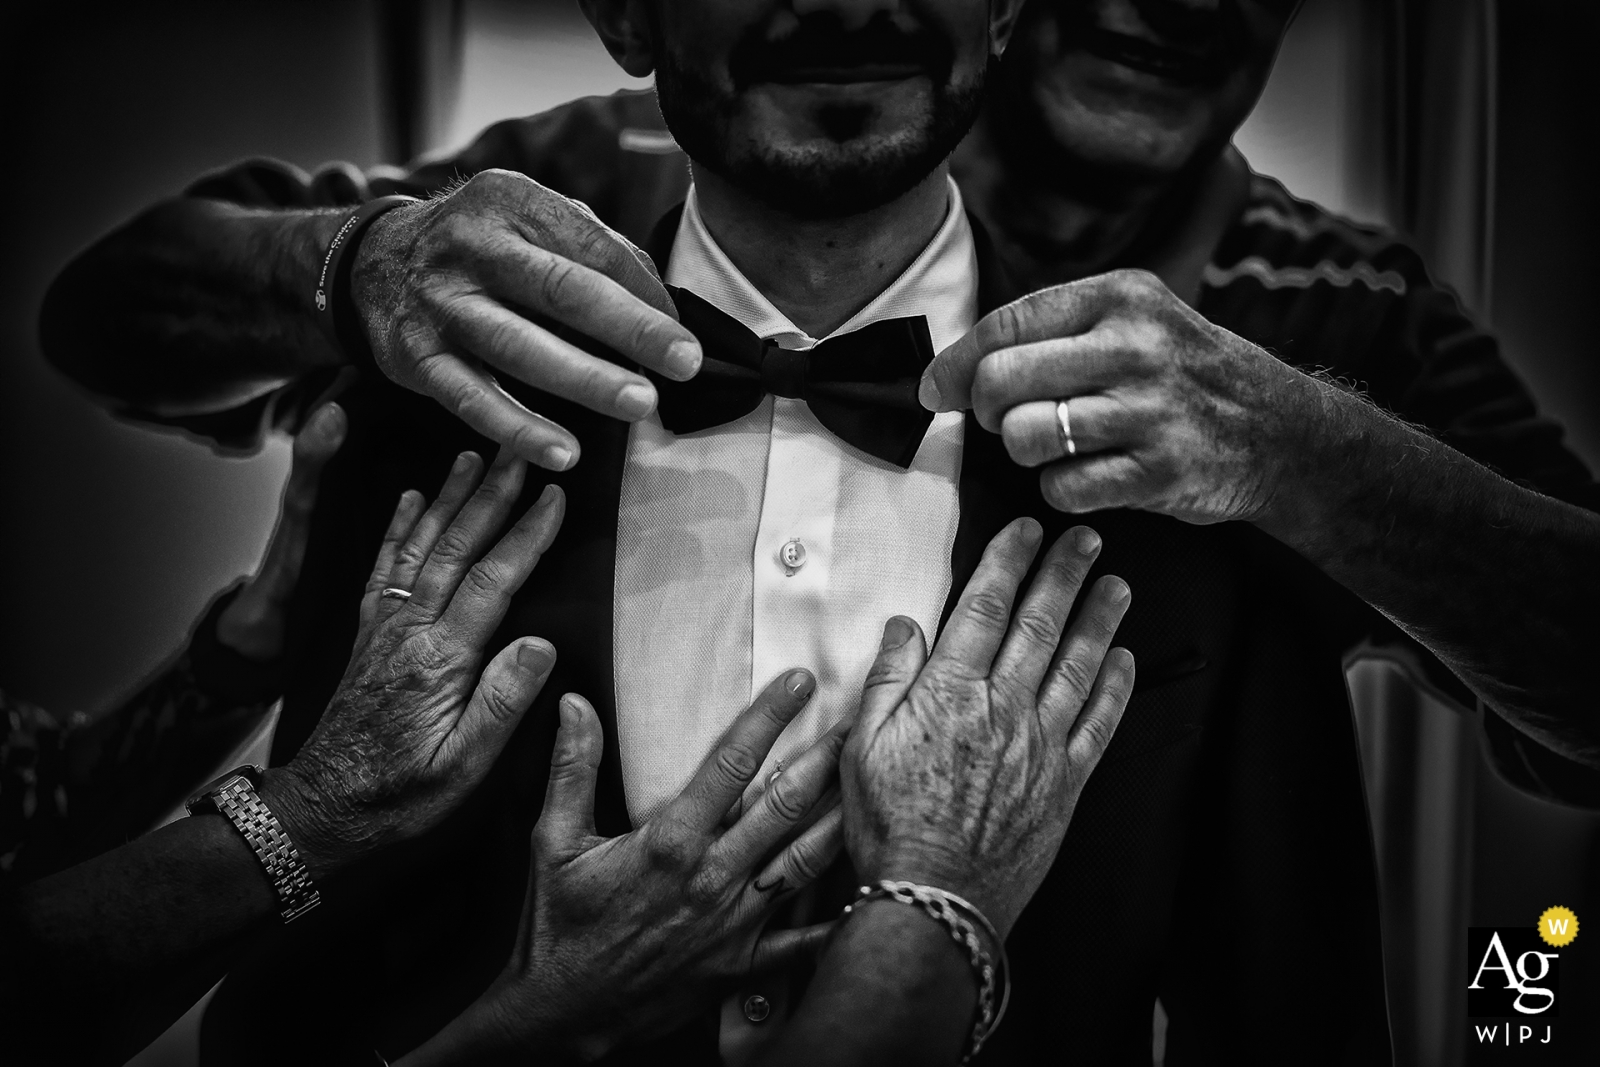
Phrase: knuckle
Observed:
(804, 861)
(705, 890)
(484, 580)
(492, 182)
(501, 702)
(1035, 626)
(557, 283)
(787, 801)
(1076, 675)
(998, 375)
(737, 762)
(409, 558)
(527, 436)
(1098, 731)
(598, 246)
(884, 672)
(1003, 327)
(454, 546)
(506, 335)
(1138, 285)
(989, 607)
(668, 848)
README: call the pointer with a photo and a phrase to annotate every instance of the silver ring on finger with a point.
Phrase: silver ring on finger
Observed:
(1064, 420)
(394, 592)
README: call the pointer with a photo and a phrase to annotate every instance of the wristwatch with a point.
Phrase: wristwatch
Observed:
(234, 795)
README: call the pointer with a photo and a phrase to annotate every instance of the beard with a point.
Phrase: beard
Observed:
(847, 172)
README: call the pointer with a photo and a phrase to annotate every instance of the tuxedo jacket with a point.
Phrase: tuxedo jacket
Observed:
(1220, 856)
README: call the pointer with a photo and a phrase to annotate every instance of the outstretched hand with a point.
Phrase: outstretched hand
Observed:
(964, 767)
(418, 720)
(623, 938)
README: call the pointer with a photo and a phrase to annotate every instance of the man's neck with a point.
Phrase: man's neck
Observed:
(1049, 231)
(820, 272)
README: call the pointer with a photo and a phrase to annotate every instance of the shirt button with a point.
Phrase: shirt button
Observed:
(793, 554)
(756, 1008)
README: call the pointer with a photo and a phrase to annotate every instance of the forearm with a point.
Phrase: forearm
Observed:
(102, 957)
(196, 305)
(1496, 580)
(891, 988)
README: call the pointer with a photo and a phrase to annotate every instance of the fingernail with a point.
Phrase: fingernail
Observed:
(1032, 532)
(463, 463)
(1087, 541)
(557, 458)
(928, 393)
(327, 418)
(1124, 660)
(683, 359)
(1119, 591)
(636, 401)
(800, 684)
(896, 632)
(570, 715)
(536, 659)
(547, 496)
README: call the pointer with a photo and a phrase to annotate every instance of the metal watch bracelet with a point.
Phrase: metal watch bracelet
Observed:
(234, 796)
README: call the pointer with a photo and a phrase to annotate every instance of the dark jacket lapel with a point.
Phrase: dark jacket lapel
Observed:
(992, 489)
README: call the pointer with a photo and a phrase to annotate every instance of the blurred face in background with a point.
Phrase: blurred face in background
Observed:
(822, 109)
(1133, 88)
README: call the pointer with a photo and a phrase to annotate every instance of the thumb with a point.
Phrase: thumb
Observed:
(900, 659)
(568, 815)
(947, 383)
(506, 689)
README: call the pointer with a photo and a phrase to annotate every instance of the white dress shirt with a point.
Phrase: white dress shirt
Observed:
(707, 611)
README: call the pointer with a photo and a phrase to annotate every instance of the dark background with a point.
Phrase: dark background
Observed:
(113, 536)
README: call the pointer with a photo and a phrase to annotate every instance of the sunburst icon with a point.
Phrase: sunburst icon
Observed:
(1558, 926)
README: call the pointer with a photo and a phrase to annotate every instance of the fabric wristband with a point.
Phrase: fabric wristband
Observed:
(333, 284)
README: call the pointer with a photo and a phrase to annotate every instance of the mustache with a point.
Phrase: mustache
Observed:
(821, 45)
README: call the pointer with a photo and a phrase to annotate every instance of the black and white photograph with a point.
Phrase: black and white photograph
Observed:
(767, 533)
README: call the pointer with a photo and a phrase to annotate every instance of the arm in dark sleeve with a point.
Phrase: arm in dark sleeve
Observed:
(892, 987)
(97, 961)
(199, 312)
(71, 788)
(1471, 525)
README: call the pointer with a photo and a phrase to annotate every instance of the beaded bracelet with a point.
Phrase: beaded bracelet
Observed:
(333, 283)
(962, 920)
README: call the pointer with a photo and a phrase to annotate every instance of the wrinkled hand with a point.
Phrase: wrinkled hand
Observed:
(1169, 412)
(964, 766)
(446, 290)
(623, 938)
(253, 624)
(413, 728)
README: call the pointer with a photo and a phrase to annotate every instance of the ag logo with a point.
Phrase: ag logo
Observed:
(1513, 973)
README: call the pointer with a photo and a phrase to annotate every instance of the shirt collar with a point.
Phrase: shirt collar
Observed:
(941, 283)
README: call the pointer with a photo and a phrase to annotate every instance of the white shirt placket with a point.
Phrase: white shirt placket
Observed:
(792, 564)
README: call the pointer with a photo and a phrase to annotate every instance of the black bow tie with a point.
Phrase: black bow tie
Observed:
(862, 386)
